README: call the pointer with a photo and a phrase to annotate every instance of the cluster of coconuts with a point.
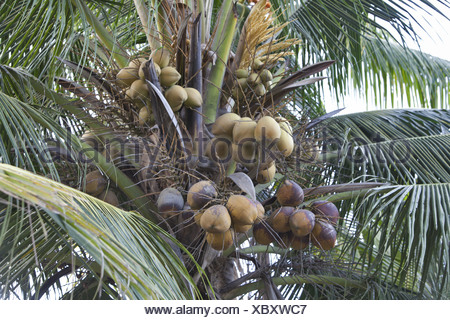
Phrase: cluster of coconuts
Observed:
(220, 219)
(295, 227)
(247, 142)
(132, 79)
(255, 80)
(96, 185)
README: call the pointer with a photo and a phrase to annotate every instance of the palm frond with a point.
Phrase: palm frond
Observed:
(399, 232)
(352, 33)
(134, 253)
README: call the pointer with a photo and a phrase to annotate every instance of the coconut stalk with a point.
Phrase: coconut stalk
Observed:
(221, 45)
(149, 31)
(194, 115)
(119, 55)
(162, 20)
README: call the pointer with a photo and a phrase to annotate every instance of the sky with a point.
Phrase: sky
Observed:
(434, 40)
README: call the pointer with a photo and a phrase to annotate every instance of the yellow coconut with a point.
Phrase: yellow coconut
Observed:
(265, 175)
(126, 76)
(138, 90)
(176, 96)
(219, 149)
(242, 209)
(169, 76)
(244, 152)
(220, 241)
(141, 70)
(244, 129)
(161, 57)
(223, 126)
(136, 63)
(215, 219)
(267, 130)
(241, 228)
(194, 99)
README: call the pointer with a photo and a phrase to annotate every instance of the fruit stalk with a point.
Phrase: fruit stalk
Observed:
(221, 45)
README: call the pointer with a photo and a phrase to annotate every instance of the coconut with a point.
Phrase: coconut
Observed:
(241, 73)
(284, 239)
(91, 139)
(169, 76)
(161, 57)
(299, 243)
(290, 194)
(242, 83)
(257, 64)
(138, 90)
(263, 233)
(144, 115)
(324, 235)
(254, 79)
(194, 98)
(261, 211)
(220, 241)
(215, 219)
(279, 219)
(136, 63)
(176, 96)
(245, 152)
(260, 89)
(244, 129)
(265, 175)
(126, 76)
(170, 202)
(241, 228)
(325, 210)
(201, 194)
(267, 130)
(197, 217)
(223, 126)
(95, 183)
(242, 209)
(266, 75)
(141, 70)
(109, 197)
(219, 149)
(302, 222)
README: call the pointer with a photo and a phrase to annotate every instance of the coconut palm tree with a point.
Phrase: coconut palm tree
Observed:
(120, 171)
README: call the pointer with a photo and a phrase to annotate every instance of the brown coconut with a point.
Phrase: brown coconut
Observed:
(201, 194)
(95, 183)
(279, 219)
(325, 210)
(290, 194)
(324, 235)
(302, 222)
(170, 202)
(263, 233)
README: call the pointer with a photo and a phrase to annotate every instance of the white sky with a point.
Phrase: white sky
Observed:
(434, 39)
